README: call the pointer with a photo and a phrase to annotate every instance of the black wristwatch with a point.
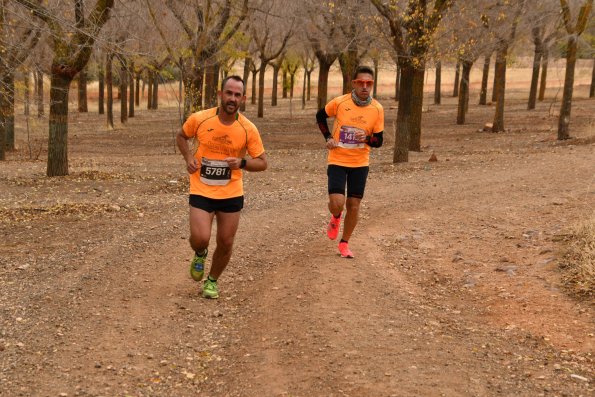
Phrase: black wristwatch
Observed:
(243, 164)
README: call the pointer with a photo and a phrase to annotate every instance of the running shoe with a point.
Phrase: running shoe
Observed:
(210, 290)
(345, 251)
(197, 266)
(332, 231)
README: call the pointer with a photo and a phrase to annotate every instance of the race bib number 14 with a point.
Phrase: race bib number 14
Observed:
(347, 138)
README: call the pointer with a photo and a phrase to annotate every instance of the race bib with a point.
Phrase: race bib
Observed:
(347, 138)
(214, 172)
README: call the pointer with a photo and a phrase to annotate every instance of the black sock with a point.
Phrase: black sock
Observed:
(337, 216)
(343, 241)
(201, 253)
(212, 279)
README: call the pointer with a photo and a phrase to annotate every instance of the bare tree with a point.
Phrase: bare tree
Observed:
(505, 40)
(72, 49)
(412, 32)
(543, 20)
(574, 32)
(356, 40)
(109, 60)
(270, 39)
(207, 28)
(16, 43)
(82, 91)
(325, 39)
(308, 61)
(483, 93)
(276, 64)
(438, 83)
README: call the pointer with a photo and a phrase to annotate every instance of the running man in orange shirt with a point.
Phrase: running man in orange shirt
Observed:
(224, 137)
(359, 125)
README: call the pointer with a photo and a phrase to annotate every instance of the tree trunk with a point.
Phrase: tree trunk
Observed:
(150, 90)
(592, 90)
(437, 94)
(7, 110)
(534, 77)
(27, 93)
(483, 93)
(130, 78)
(261, 73)
(564, 120)
(246, 76)
(109, 83)
(39, 92)
(304, 83)
(348, 61)
(284, 82)
(123, 91)
(101, 93)
(403, 124)
(397, 83)
(253, 99)
(309, 89)
(137, 91)
(155, 100)
(499, 89)
(455, 91)
(375, 90)
(464, 92)
(291, 84)
(194, 89)
(276, 68)
(495, 81)
(323, 83)
(543, 83)
(417, 98)
(82, 91)
(211, 83)
(58, 125)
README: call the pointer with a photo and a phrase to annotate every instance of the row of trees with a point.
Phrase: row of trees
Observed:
(203, 39)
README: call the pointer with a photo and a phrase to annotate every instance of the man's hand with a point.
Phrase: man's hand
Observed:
(233, 162)
(331, 144)
(192, 165)
(360, 136)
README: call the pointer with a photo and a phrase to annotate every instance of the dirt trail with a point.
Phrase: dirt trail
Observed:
(453, 292)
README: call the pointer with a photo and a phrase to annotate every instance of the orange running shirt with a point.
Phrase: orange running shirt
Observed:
(216, 141)
(348, 119)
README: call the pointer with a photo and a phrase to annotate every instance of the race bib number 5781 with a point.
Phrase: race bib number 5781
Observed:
(214, 172)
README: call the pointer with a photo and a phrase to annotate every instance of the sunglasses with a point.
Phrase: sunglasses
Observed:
(364, 83)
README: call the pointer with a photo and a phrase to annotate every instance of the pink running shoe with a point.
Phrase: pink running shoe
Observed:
(332, 230)
(345, 251)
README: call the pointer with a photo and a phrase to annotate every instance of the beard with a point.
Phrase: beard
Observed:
(230, 107)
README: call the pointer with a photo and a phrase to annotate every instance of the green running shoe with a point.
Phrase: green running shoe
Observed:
(210, 290)
(197, 266)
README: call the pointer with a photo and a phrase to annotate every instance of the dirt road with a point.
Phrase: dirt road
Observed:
(454, 290)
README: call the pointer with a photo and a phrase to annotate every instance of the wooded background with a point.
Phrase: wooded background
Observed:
(138, 45)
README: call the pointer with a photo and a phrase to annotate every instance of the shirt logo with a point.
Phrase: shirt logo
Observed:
(223, 139)
(358, 120)
(210, 129)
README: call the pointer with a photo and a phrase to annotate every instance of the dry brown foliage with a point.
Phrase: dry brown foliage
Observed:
(578, 262)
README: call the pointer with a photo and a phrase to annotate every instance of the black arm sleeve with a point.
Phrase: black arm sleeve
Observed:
(321, 117)
(375, 140)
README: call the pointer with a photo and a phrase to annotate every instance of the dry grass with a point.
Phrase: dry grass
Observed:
(578, 262)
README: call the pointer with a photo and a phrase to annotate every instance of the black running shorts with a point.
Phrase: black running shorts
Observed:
(233, 204)
(354, 178)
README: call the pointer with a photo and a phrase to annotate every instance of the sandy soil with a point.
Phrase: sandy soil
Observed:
(454, 290)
